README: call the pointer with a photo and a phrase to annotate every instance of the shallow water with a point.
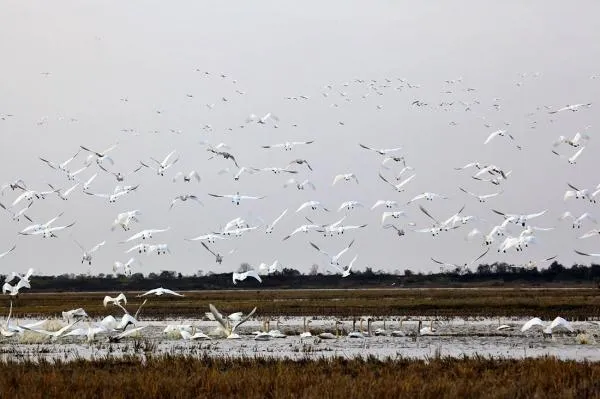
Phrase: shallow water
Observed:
(456, 338)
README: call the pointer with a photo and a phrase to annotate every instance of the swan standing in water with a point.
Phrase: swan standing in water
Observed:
(225, 326)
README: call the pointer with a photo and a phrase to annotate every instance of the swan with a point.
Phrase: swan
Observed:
(299, 185)
(218, 257)
(127, 319)
(99, 156)
(331, 230)
(210, 238)
(87, 254)
(236, 198)
(145, 234)
(187, 177)
(381, 151)
(48, 232)
(112, 198)
(306, 333)
(500, 133)
(394, 214)
(577, 221)
(591, 233)
(333, 259)
(64, 196)
(242, 276)
(225, 325)
(237, 232)
(349, 205)
(3, 254)
(269, 269)
(53, 334)
(426, 196)
(76, 314)
(398, 187)
(300, 162)
(116, 300)
(345, 270)
(466, 266)
(345, 177)
(389, 204)
(125, 266)
(520, 219)
(288, 145)
(161, 249)
(185, 197)
(314, 205)
(160, 291)
(271, 226)
(305, 228)
(572, 108)
(276, 170)
(572, 159)
(18, 183)
(262, 120)
(187, 336)
(578, 194)
(426, 330)
(575, 142)
(165, 164)
(225, 155)
(16, 216)
(241, 170)
(31, 195)
(481, 198)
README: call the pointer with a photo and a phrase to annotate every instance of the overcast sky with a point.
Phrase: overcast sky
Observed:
(66, 65)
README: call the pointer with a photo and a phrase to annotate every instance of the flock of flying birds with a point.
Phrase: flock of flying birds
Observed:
(86, 165)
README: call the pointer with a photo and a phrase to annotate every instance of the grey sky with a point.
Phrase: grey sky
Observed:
(148, 52)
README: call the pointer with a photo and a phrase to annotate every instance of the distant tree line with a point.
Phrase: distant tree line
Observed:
(496, 274)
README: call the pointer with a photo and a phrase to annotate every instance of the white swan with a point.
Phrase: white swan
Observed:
(160, 291)
(244, 275)
(334, 260)
(398, 187)
(236, 198)
(346, 177)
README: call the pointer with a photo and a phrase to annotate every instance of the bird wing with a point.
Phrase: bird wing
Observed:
(218, 317)
(245, 319)
(427, 213)
(167, 291)
(2, 255)
(586, 254)
(97, 246)
(208, 249)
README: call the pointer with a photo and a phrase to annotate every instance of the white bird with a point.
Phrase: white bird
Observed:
(187, 177)
(242, 170)
(427, 196)
(389, 204)
(165, 164)
(269, 269)
(349, 205)
(572, 108)
(64, 195)
(185, 197)
(288, 145)
(578, 194)
(225, 324)
(276, 170)
(160, 249)
(334, 260)
(210, 238)
(116, 300)
(236, 198)
(573, 159)
(535, 322)
(87, 254)
(591, 233)
(305, 228)
(271, 226)
(500, 133)
(465, 266)
(13, 290)
(299, 185)
(575, 142)
(481, 198)
(99, 156)
(112, 198)
(160, 291)
(263, 120)
(519, 219)
(74, 314)
(314, 205)
(345, 177)
(393, 214)
(381, 151)
(53, 334)
(3, 254)
(242, 276)
(577, 221)
(124, 219)
(398, 187)
(48, 232)
(145, 234)
(125, 266)
(345, 270)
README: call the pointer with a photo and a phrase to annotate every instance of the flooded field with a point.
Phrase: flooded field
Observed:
(395, 337)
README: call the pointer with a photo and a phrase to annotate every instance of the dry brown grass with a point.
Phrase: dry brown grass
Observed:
(186, 377)
(489, 302)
